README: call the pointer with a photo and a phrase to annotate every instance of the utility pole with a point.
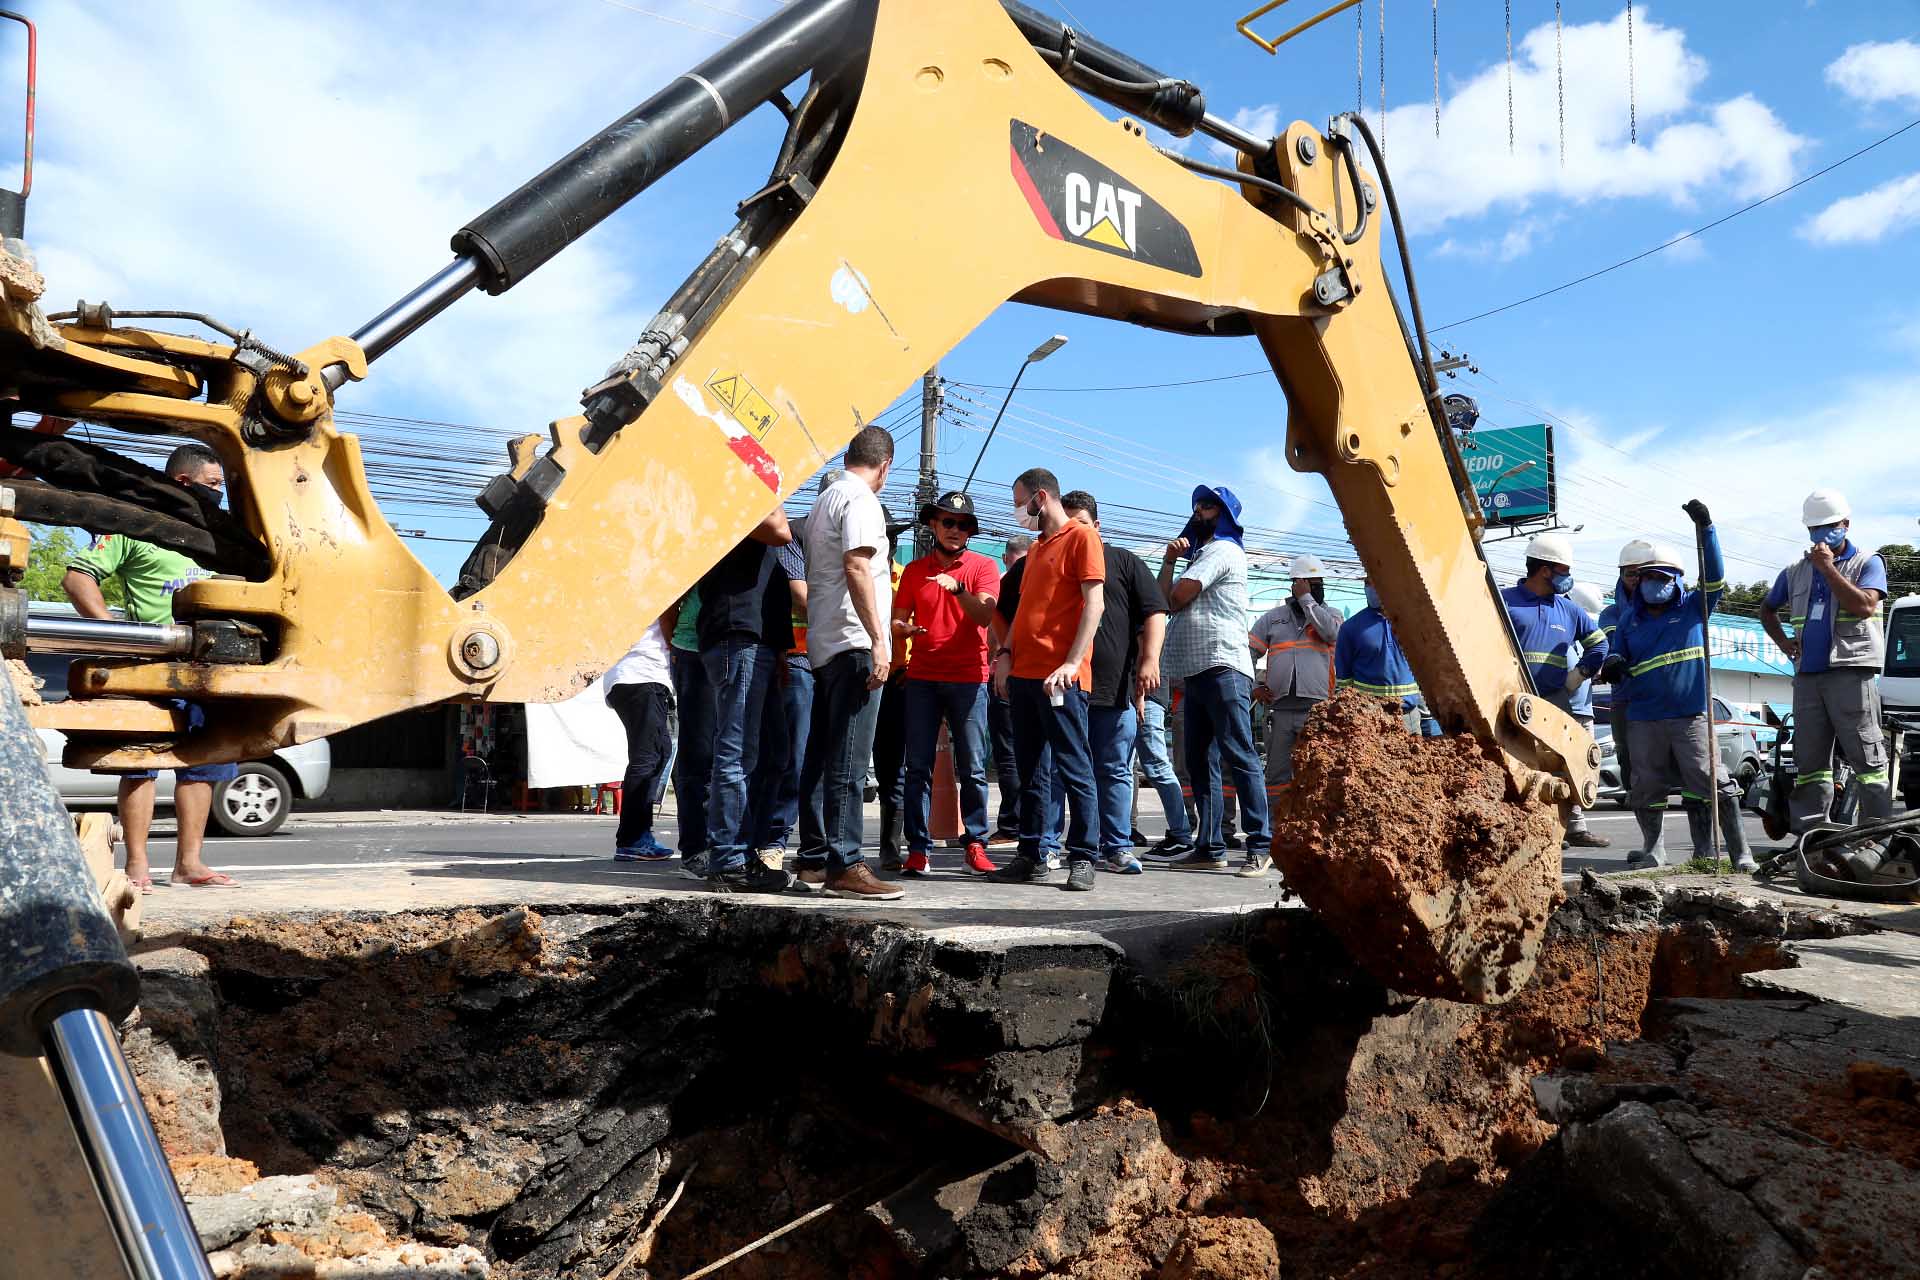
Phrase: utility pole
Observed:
(928, 490)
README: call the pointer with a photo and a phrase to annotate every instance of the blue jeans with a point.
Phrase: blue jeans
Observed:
(740, 669)
(1219, 714)
(839, 744)
(693, 759)
(1156, 762)
(963, 708)
(1110, 734)
(1038, 728)
(776, 786)
(1000, 728)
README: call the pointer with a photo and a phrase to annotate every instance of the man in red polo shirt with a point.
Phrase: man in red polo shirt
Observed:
(943, 604)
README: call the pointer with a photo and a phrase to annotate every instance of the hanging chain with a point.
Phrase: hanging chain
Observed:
(1560, 81)
(1360, 58)
(1509, 77)
(1383, 75)
(1633, 113)
(1436, 68)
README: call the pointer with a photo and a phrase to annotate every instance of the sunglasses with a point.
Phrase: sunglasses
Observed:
(950, 522)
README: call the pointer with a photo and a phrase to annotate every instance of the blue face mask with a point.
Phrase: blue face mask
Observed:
(1657, 588)
(1562, 583)
(1373, 597)
(1833, 535)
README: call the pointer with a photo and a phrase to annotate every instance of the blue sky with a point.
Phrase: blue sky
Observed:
(295, 171)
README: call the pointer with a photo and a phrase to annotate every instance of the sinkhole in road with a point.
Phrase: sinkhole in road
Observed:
(644, 1091)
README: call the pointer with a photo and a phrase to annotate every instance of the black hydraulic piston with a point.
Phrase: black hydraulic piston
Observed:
(1110, 75)
(514, 238)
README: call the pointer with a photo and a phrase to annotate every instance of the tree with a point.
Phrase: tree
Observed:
(1903, 569)
(53, 549)
(1744, 598)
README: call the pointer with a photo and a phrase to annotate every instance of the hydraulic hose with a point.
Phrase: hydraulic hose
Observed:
(1406, 257)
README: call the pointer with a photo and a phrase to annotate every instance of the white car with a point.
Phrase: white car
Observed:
(1739, 753)
(256, 803)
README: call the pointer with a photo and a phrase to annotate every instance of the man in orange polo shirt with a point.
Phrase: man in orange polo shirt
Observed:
(1046, 673)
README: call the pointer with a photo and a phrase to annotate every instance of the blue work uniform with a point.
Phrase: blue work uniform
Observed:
(1367, 657)
(1666, 654)
(1549, 627)
(1667, 720)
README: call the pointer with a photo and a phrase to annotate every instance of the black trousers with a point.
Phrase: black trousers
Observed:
(646, 712)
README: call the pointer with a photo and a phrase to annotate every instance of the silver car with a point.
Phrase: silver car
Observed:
(255, 803)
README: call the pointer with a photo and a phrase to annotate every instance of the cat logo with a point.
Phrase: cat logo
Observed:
(1102, 212)
(1077, 199)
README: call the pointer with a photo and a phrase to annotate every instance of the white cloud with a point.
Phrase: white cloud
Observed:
(1887, 71)
(1871, 216)
(1685, 248)
(1688, 147)
(289, 175)
(1516, 241)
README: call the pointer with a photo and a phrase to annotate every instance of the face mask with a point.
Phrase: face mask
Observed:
(1833, 535)
(1373, 597)
(1562, 583)
(1029, 515)
(1658, 589)
(211, 494)
(1318, 591)
(1198, 533)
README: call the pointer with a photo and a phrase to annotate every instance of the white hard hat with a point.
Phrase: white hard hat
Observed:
(1824, 506)
(1551, 547)
(1663, 555)
(1635, 553)
(1306, 567)
(1587, 596)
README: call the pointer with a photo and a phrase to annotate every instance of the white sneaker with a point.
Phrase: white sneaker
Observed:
(773, 856)
(1051, 862)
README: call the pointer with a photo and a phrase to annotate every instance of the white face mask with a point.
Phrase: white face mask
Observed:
(1029, 515)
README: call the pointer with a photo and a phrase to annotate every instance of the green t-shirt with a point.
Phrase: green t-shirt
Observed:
(686, 631)
(148, 574)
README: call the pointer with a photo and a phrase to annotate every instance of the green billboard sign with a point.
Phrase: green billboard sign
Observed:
(1512, 471)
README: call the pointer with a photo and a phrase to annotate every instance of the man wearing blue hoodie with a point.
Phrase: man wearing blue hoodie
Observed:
(1661, 643)
(1207, 648)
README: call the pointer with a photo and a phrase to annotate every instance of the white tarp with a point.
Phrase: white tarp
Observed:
(576, 743)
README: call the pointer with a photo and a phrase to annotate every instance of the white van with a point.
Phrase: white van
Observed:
(1900, 692)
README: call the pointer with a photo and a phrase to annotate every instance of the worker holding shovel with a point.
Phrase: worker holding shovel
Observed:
(1661, 643)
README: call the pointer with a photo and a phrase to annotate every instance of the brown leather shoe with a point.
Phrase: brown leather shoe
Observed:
(858, 882)
(811, 879)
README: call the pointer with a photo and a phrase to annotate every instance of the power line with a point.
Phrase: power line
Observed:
(1681, 239)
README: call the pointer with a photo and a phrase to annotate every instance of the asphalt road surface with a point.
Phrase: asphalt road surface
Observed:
(317, 842)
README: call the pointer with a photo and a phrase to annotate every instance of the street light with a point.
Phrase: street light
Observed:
(1034, 357)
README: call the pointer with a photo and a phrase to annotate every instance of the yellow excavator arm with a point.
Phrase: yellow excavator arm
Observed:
(942, 162)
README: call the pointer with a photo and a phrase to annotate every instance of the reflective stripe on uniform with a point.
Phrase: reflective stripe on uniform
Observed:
(1812, 779)
(1872, 777)
(1545, 659)
(1688, 654)
(1594, 638)
(1380, 690)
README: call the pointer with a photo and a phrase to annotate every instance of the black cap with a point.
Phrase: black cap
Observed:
(953, 503)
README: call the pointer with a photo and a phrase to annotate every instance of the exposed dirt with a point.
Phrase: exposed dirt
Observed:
(1413, 853)
(537, 1088)
(25, 683)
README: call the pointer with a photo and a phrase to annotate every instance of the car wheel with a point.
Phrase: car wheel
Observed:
(1748, 772)
(254, 803)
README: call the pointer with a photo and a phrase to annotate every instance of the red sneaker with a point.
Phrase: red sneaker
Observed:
(977, 861)
(916, 865)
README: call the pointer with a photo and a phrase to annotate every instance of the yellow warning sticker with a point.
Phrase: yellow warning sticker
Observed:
(748, 407)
